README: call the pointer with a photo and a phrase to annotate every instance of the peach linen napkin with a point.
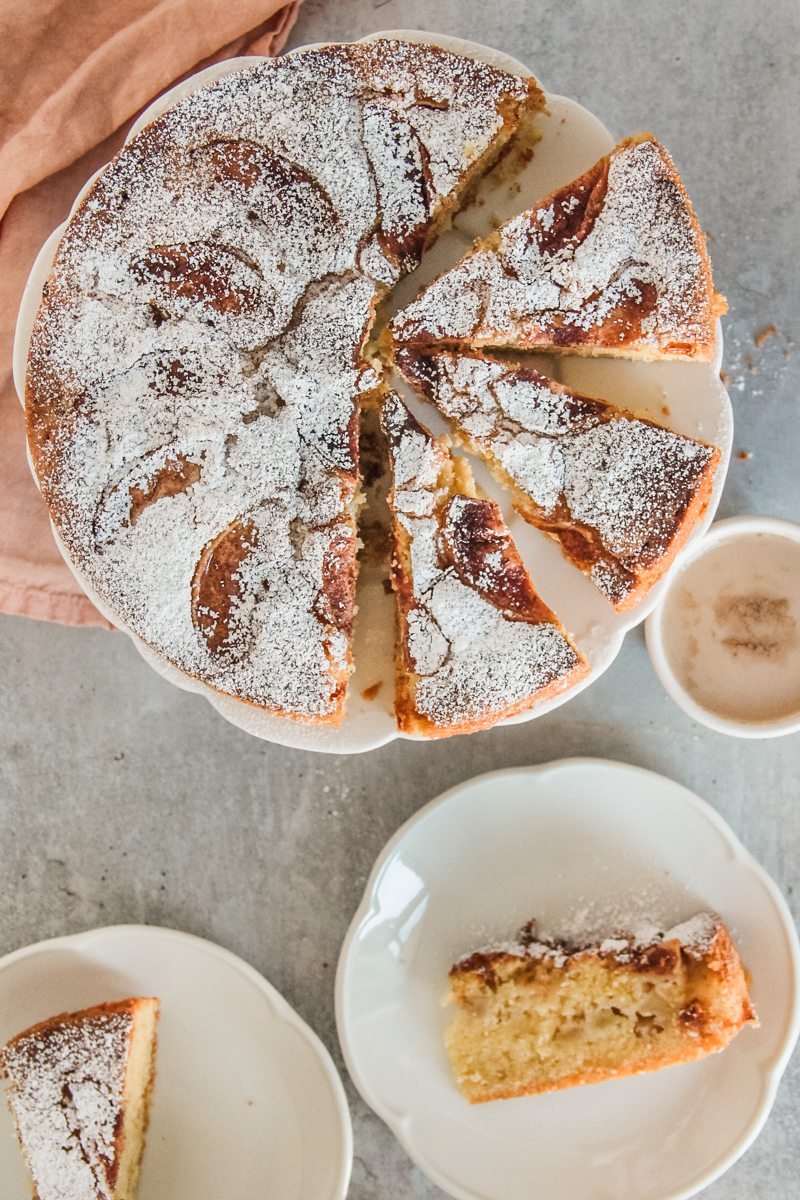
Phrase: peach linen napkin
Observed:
(76, 74)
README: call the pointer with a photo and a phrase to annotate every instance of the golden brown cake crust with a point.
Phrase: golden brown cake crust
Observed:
(691, 976)
(615, 263)
(476, 644)
(620, 493)
(110, 1007)
(195, 367)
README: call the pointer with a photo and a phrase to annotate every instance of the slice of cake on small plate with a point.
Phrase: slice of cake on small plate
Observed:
(544, 1014)
(80, 1086)
(614, 263)
(476, 644)
(620, 493)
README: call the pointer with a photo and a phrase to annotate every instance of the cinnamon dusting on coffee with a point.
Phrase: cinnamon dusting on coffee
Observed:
(757, 624)
(731, 628)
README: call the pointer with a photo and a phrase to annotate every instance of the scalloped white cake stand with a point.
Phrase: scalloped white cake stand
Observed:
(689, 394)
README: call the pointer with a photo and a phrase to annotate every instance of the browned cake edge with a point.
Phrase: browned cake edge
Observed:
(76, 1016)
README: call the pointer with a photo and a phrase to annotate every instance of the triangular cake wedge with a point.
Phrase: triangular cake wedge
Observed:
(542, 1014)
(79, 1093)
(196, 365)
(614, 263)
(620, 493)
(476, 644)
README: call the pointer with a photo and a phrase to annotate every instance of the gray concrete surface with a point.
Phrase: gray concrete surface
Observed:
(123, 799)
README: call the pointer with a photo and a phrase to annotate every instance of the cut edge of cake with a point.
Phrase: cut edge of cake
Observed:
(543, 1014)
(516, 138)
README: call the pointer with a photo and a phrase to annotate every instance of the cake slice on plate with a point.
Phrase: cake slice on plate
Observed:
(544, 1014)
(614, 263)
(79, 1093)
(621, 494)
(476, 644)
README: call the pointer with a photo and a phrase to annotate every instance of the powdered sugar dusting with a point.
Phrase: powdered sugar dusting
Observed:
(196, 366)
(472, 659)
(624, 944)
(697, 933)
(578, 461)
(66, 1094)
(629, 480)
(640, 271)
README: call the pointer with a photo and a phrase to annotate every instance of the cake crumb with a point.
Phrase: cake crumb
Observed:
(763, 335)
(745, 455)
(371, 692)
(666, 410)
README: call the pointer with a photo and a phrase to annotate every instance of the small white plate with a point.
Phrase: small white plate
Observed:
(687, 397)
(571, 841)
(247, 1102)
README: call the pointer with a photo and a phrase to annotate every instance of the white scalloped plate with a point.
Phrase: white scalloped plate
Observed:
(550, 842)
(688, 397)
(247, 1102)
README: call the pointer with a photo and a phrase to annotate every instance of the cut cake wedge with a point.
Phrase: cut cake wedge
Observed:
(476, 644)
(614, 263)
(545, 1014)
(79, 1093)
(621, 494)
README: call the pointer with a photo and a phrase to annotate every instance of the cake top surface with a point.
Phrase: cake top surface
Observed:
(615, 258)
(477, 637)
(67, 1080)
(626, 946)
(195, 366)
(577, 459)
